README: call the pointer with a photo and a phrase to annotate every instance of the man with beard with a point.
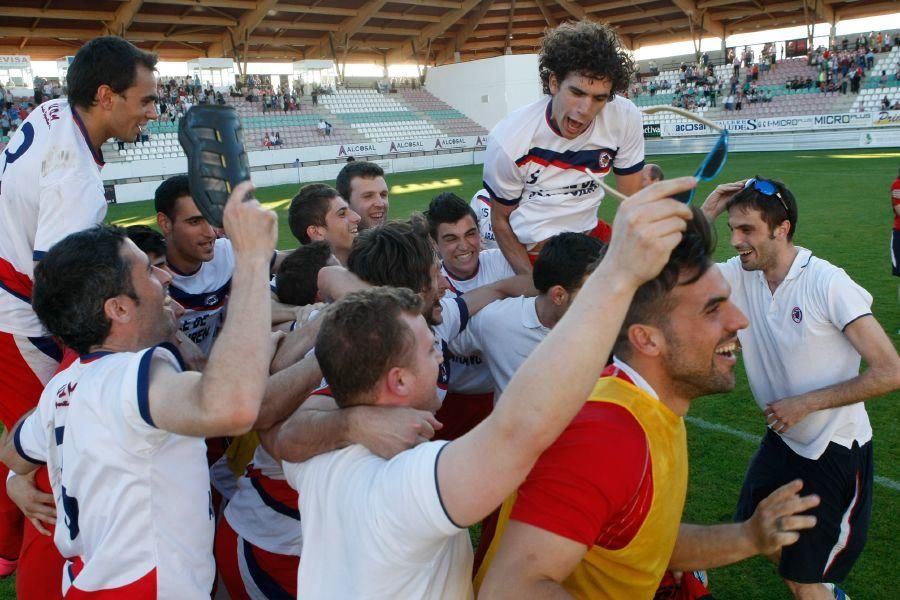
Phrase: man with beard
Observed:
(362, 185)
(810, 326)
(599, 514)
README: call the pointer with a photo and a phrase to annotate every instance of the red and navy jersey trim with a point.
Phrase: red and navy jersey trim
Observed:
(629, 170)
(503, 201)
(203, 301)
(577, 160)
(97, 154)
(15, 283)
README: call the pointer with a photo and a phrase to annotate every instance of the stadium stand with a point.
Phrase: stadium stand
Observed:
(875, 90)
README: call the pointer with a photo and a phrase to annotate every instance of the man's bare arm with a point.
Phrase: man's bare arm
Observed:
(514, 251)
(225, 399)
(286, 390)
(629, 184)
(530, 564)
(9, 454)
(477, 471)
(295, 345)
(882, 376)
(520, 285)
(319, 426)
(775, 523)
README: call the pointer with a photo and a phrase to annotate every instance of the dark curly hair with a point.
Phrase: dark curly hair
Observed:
(589, 48)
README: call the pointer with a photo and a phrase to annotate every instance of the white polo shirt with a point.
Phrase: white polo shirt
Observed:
(470, 373)
(505, 332)
(377, 528)
(795, 344)
(529, 165)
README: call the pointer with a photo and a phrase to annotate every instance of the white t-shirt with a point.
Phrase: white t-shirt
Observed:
(133, 501)
(204, 295)
(527, 164)
(795, 344)
(470, 372)
(481, 204)
(505, 332)
(378, 529)
(50, 186)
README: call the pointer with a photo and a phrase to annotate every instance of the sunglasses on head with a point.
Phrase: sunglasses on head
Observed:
(709, 168)
(767, 188)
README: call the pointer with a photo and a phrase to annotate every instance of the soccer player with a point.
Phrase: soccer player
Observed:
(453, 226)
(50, 186)
(481, 204)
(362, 185)
(576, 530)
(201, 265)
(810, 324)
(122, 428)
(651, 173)
(505, 332)
(534, 165)
(397, 529)
(319, 213)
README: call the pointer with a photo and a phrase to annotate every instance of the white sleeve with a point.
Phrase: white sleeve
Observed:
(67, 206)
(502, 178)
(455, 317)
(845, 301)
(141, 435)
(408, 502)
(468, 341)
(731, 271)
(496, 264)
(630, 153)
(32, 437)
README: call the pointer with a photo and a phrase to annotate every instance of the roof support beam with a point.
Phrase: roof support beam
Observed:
(432, 31)
(246, 24)
(700, 18)
(548, 16)
(573, 9)
(124, 16)
(347, 29)
(185, 20)
(466, 31)
(56, 13)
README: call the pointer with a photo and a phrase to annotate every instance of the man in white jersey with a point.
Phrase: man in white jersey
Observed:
(201, 264)
(810, 325)
(50, 186)
(397, 529)
(362, 185)
(122, 429)
(481, 204)
(535, 162)
(318, 213)
(453, 227)
(507, 331)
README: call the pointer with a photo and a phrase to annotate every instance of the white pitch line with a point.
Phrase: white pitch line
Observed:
(747, 437)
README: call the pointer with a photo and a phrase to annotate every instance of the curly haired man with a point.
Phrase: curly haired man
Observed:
(534, 168)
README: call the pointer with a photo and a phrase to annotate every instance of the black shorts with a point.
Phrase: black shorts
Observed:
(842, 478)
(895, 252)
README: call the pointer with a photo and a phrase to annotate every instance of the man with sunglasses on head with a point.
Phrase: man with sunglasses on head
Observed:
(535, 162)
(810, 324)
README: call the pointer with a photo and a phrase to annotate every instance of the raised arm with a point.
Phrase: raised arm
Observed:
(225, 399)
(477, 471)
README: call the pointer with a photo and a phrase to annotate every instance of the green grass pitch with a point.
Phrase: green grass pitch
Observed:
(845, 217)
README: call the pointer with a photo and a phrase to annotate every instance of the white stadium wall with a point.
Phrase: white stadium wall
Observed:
(487, 90)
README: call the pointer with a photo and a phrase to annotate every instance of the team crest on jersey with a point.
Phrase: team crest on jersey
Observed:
(796, 314)
(604, 159)
(212, 300)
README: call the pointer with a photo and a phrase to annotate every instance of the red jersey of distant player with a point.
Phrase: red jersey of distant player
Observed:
(895, 202)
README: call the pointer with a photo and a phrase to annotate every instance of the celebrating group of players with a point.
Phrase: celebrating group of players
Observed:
(192, 408)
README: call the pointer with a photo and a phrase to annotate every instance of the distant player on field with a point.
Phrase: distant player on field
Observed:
(534, 165)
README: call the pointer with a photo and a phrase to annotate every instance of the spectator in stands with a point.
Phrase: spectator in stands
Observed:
(870, 59)
(729, 102)
(315, 97)
(885, 103)
(328, 128)
(321, 127)
(267, 141)
(883, 79)
(738, 100)
(276, 139)
(4, 124)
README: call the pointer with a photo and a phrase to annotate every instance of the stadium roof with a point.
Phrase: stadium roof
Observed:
(390, 31)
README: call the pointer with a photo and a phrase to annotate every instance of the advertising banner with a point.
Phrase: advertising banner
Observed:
(652, 130)
(771, 124)
(886, 117)
(15, 61)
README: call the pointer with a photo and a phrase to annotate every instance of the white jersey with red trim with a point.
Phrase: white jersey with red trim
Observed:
(264, 510)
(133, 501)
(204, 295)
(481, 204)
(470, 372)
(530, 166)
(50, 186)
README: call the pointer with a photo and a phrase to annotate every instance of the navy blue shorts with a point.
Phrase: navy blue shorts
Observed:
(842, 478)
